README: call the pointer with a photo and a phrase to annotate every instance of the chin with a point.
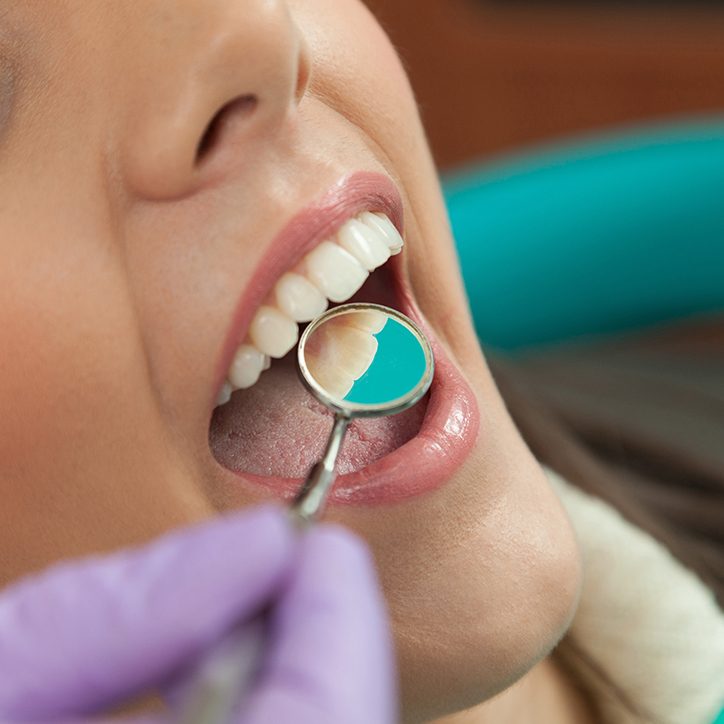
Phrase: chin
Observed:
(482, 576)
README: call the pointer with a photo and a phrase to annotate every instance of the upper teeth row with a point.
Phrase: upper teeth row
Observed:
(334, 270)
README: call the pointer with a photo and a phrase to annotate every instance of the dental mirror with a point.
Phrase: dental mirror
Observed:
(360, 360)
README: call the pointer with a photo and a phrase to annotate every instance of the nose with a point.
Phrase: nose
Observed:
(207, 80)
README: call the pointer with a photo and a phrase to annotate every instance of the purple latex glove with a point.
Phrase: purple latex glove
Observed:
(87, 635)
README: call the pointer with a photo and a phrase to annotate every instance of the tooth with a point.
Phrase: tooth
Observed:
(364, 243)
(298, 298)
(353, 351)
(368, 320)
(339, 354)
(246, 366)
(272, 332)
(334, 271)
(339, 346)
(224, 394)
(334, 382)
(381, 223)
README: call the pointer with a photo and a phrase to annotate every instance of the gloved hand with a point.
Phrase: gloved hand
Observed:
(87, 635)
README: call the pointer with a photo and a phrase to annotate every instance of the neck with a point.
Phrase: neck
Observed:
(545, 695)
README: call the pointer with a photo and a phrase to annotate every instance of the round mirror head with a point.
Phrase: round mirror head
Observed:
(365, 360)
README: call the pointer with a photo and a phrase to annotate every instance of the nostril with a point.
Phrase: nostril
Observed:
(227, 114)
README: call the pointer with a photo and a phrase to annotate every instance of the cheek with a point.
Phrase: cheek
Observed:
(360, 74)
(58, 318)
(79, 435)
(357, 72)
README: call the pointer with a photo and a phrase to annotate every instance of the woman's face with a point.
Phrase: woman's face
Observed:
(137, 245)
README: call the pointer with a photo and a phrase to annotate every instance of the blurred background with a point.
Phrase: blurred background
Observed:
(491, 75)
(581, 150)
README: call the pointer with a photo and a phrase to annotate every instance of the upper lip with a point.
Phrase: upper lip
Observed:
(319, 220)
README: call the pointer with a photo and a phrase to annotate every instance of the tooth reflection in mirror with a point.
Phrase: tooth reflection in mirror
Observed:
(341, 350)
(360, 360)
(364, 356)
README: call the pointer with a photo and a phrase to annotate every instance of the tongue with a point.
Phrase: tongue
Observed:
(277, 428)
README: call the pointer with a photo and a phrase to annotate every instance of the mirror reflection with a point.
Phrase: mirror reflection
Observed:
(366, 357)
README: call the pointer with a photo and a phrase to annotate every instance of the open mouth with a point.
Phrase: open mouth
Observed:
(275, 427)
(268, 429)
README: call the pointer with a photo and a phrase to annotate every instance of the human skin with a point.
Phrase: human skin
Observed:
(124, 254)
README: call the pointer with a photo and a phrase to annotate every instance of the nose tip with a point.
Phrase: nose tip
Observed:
(226, 81)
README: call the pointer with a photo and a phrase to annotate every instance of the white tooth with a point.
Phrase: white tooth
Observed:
(364, 243)
(353, 350)
(267, 362)
(340, 354)
(246, 366)
(335, 382)
(224, 394)
(334, 271)
(368, 320)
(381, 223)
(272, 332)
(298, 298)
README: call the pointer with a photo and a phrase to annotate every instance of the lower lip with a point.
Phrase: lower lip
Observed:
(424, 463)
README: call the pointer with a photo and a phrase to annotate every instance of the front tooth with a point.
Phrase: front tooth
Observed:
(368, 320)
(340, 355)
(352, 350)
(334, 271)
(364, 243)
(246, 366)
(298, 298)
(387, 229)
(335, 382)
(272, 332)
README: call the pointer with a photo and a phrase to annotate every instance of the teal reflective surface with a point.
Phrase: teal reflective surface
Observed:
(366, 359)
(397, 367)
